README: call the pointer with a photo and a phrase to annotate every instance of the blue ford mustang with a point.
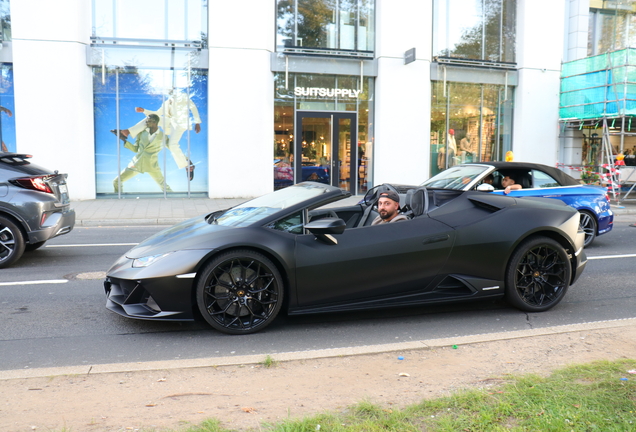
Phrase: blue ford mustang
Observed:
(536, 180)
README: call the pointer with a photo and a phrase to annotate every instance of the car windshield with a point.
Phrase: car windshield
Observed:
(259, 208)
(456, 177)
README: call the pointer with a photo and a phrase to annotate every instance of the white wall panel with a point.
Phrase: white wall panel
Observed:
(402, 92)
(53, 89)
(539, 56)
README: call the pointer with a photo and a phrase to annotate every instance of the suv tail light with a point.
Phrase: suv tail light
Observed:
(34, 183)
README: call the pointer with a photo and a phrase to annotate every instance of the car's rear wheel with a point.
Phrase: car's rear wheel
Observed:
(538, 275)
(589, 225)
(240, 292)
(11, 242)
(33, 246)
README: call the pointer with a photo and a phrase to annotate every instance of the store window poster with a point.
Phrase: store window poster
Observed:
(162, 114)
(7, 109)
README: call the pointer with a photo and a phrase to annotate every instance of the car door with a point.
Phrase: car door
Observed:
(381, 261)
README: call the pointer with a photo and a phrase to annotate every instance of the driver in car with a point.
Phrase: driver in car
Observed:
(389, 209)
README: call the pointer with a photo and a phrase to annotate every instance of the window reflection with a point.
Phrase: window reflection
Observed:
(475, 29)
(325, 24)
(178, 20)
(469, 123)
(612, 26)
(5, 20)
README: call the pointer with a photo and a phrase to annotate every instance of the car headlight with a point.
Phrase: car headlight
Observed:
(148, 260)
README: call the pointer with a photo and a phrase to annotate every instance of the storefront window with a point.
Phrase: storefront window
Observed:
(323, 129)
(7, 108)
(161, 114)
(144, 20)
(612, 26)
(475, 29)
(469, 123)
(305, 25)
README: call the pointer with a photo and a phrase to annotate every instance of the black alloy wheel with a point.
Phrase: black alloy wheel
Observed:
(538, 275)
(240, 292)
(11, 242)
(589, 225)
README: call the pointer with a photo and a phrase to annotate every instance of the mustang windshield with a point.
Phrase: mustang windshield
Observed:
(259, 208)
(456, 177)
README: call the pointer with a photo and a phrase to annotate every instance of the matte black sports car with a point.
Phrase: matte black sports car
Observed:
(34, 206)
(285, 250)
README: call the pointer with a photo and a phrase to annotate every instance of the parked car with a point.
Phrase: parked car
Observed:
(284, 173)
(240, 267)
(34, 206)
(537, 180)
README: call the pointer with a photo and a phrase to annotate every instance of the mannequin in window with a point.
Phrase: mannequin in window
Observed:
(452, 148)
(467, 150)
(174, 115)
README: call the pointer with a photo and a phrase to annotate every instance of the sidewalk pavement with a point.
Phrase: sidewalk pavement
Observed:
(162, 211)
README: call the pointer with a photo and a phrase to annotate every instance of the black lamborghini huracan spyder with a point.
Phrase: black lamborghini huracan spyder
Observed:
(295, 249)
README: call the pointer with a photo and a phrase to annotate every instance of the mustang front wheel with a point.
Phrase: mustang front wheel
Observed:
(11, 242)
(240, 292)
(538, 275)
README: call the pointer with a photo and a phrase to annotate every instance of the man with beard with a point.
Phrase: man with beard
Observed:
(389, 209)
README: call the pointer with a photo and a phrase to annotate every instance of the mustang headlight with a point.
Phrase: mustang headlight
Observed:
(148, 260)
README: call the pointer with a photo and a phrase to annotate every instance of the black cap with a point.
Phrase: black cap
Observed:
(390, 195)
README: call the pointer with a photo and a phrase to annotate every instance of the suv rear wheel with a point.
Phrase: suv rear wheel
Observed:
(11, 242)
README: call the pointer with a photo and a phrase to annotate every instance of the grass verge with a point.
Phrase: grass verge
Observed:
(599, 396)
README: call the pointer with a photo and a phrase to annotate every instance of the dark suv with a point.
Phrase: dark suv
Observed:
(34, 206)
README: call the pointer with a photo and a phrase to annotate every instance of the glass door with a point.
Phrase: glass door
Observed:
(326, 145)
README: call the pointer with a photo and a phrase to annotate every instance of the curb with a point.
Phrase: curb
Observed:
(312, 354)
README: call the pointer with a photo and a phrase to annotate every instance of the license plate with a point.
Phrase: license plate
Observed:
(63, 188)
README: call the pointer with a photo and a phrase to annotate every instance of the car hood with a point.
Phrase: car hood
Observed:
(195, 233)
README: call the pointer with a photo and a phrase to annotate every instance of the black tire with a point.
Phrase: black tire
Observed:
(589, 225)
(11, 242)
(240, 292)
(538, 275)
(33, 246)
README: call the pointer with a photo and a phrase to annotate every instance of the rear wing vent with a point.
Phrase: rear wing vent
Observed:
(492, 203)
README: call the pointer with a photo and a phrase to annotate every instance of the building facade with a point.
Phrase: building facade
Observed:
(254, 95)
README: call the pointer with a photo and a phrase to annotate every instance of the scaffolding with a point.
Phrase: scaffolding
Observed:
(599, 92)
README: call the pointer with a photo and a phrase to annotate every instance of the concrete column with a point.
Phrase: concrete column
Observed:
(540, 28)
(577, 29)
(572, 149)
(53, 88)
(241, 98)
(402, 92)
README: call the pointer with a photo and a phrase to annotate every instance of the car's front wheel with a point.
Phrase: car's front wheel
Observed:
(538, 275)
(240, 292)
(11, 242)
(589, 225)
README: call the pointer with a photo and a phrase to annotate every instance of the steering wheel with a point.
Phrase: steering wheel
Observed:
(373, 195)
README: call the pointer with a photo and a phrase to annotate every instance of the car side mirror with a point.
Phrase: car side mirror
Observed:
(485, 187)
(324, 228)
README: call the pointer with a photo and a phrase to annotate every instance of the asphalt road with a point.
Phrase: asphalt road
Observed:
(62, 319)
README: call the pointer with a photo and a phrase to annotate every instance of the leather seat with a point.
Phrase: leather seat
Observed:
(416, 202)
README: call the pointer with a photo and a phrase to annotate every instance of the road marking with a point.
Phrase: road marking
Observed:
(612, 256)
(53, 281)
(93, 244)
